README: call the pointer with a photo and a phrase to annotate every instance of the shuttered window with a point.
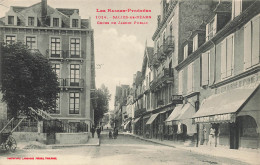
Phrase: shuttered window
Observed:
(180, 82)
(205, 69)
(227, 55)
(190, 83)
(251, 43)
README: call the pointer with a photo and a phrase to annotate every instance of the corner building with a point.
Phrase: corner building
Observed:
(67, 41)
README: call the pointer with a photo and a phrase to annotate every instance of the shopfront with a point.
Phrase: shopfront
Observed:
(181, 120)
(230, 119)
(152, 127)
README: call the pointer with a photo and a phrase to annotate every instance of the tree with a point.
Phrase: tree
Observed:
(102, 103)
(27, 80)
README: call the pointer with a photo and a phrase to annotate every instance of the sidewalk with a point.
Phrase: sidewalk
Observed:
(251, 157)
(37, 145)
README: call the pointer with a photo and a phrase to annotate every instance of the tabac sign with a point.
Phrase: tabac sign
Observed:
(177, 99)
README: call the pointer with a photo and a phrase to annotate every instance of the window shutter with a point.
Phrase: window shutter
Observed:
(190, 79)
(229, 55)
(255, 40)
(205, 68)
(247, 46)
(215, 25)
(180, 82)
(223, 59)
(207, 32)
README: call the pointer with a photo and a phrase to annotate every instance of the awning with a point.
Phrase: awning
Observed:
(175, 113)
(126, 124)
(222, 107)
(136, 120)
(152, 118)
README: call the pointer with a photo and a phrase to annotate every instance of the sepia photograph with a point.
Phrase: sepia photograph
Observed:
(123, 82)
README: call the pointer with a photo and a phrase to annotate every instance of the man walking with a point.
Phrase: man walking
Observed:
(93, 131)
(98, 131)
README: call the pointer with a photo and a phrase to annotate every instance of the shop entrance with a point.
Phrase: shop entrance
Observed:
(234, 135)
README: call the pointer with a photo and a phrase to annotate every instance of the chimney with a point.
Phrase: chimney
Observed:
(163, 8)
(44, 11)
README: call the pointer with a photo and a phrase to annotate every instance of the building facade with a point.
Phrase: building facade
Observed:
(62, 36)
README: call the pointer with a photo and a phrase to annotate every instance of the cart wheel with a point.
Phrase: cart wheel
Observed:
(10, 144)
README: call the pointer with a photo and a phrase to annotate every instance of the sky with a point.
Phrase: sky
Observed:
(119, 48)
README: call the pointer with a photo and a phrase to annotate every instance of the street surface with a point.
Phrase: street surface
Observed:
(121, 151)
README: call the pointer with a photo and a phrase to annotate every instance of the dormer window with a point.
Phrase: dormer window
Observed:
(56, 19)
(195, 43)
(211, 28)
(75, 23)
(185, 51)
(30, 21)
(11, 17)
(10, 20)
(75, 20)
(55, 22)
(236, 8)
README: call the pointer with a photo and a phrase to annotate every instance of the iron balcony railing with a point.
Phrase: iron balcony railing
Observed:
(73, 82)
(55, 53)
(161, 53)
(169, 44)
(155, 60)
(74, 53)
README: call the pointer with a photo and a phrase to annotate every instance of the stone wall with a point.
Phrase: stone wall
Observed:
(72, 138)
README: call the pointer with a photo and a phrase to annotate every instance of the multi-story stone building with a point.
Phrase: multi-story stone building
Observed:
(221, 74)
(174, 24)
(67, 41)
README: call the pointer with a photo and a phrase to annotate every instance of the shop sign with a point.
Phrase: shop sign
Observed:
(215, 118)
(177, 99)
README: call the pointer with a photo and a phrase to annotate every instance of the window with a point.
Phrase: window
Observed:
(205, 68)
(10, 39)
(185, 51)
(75, 23)
(31, 42)
(74, 103)
(190, 85)
(74, 75)
(10, 20)
(55, 47)
(251, 43)
(227, 53)
(56, 110)
(75, 47)
(211, 28)
(56, 22)
(236, 8)
(30, 21)
(180, 82)
(56, 69)
(195, 43)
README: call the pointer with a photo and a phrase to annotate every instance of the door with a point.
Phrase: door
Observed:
(234, 136)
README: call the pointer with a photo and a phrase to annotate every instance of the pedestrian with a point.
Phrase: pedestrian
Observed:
(205, 137)
(110, 134)
(98, 131)
(212, 136)
(93, 131)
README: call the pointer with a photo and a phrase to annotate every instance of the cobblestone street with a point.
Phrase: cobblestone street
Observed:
(123, 150)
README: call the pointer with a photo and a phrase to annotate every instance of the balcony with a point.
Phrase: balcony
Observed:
(161, 54)
(163, 78)
(61, 82)
(169, 45)
(155, 60)
(55, 54)
(69, 55)
(76, 55)
(74, 83)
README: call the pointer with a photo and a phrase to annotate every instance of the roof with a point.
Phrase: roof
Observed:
(18, 8)
(150, 52)
(67, 11)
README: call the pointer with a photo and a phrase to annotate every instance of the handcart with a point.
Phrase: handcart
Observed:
(6, 140)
